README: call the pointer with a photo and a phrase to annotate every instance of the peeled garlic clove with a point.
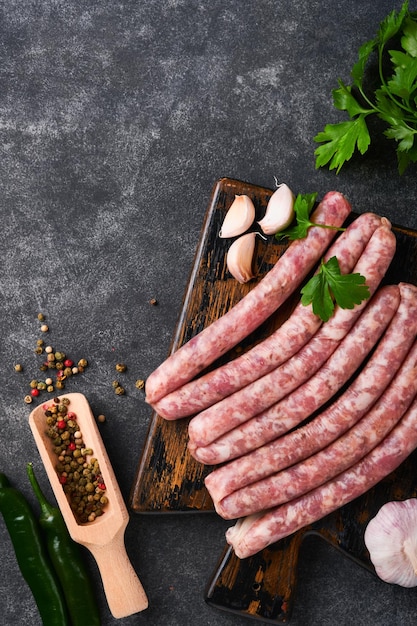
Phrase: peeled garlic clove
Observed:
(239, 259)
(279, 211)
(391, 539)
(239, 217)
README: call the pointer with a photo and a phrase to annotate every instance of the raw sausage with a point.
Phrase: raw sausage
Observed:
(254, 533)
(331, 423)
(335, 458)
(249, 313)
(309, 397)
(214, 422)
(241, 406)
(282, 344)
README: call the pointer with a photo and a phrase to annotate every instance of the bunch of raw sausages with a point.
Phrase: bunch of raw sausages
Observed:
(316, 414)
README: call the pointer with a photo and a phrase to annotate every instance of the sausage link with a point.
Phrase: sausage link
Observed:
(282, 344)
(309, 397)
(331, 423)
(249, 313)
(335, 458)
(259, 398)
(254, 533)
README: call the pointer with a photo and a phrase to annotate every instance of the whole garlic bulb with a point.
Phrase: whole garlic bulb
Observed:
(239, 217)
(279, 211)
(391, 539)
(239, 258)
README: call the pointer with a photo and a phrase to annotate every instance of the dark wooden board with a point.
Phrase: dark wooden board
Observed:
(169, 480)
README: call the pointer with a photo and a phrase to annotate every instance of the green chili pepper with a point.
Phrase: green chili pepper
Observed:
(31, 555)
(67, 559)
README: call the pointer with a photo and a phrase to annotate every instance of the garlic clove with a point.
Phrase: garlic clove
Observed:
(239, 217)
(391, 539)
(239, 258)
(279, 211)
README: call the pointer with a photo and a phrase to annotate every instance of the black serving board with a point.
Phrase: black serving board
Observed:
(169, 480)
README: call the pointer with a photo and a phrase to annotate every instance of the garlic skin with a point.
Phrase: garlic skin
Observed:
(391, 539)
(239, 217)
(239, 258)
(279, 211)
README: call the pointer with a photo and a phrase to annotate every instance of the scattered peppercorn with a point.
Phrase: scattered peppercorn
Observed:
(28, 399)
(119, 391)
(153, 301)
(53, 360)
(121, 367)
(101, 418)
(140, 384)
(34, 392)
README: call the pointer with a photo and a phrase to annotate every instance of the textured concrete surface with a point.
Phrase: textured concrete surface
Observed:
(116, 119)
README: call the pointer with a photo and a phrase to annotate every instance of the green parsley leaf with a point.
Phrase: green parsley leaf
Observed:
(317, 293)
(303, 205)
(330, 287)
(364, 53)
(390, 26)
(394, 100)
(339, 142)
(403, 81)
(409, 39)
(344, 100)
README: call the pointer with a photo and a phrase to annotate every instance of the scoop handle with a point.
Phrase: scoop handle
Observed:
(124, 592)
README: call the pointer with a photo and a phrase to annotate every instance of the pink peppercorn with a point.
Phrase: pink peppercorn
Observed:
(62, 480)
(68, 363)
(34, 392)
(61, 424)
(72, 446)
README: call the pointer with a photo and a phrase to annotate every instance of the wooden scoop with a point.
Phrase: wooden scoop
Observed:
(104, 537)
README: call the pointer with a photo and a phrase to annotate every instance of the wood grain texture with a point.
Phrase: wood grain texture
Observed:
(168, 479)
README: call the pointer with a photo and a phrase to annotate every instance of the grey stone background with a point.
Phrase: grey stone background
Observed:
(116, 119)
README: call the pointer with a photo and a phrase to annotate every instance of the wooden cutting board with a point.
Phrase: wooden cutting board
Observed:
(169, 480)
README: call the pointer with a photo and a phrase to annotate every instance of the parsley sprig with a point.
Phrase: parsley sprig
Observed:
(330, 287)
(303, 206)
(394, 100)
